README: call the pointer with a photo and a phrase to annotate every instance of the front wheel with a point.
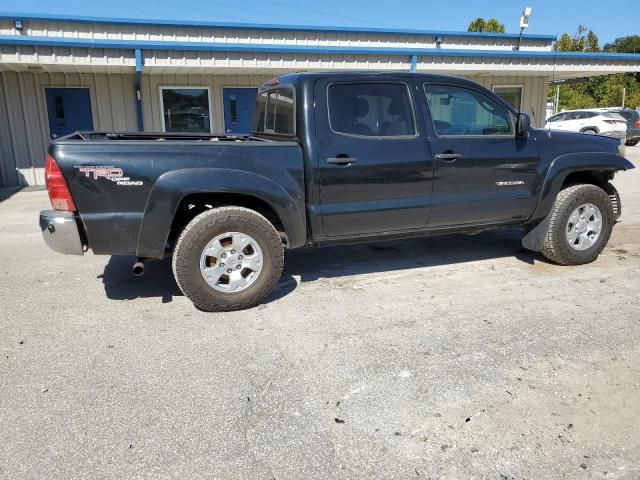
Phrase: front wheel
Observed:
(228, 258)
(582, 219)
(632, 143)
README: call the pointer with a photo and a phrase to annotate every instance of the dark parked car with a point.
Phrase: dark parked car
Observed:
(334, 157)
(633, 124)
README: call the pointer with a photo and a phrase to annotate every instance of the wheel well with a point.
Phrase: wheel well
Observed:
(594, 129)
(194, 204)
(599, 179)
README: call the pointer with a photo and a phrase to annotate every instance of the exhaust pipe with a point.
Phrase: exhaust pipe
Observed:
(138, 267)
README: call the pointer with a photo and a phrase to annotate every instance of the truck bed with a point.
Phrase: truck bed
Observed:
(127, 185)
(159, 136)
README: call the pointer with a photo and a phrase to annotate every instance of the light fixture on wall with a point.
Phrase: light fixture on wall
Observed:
(524, 23)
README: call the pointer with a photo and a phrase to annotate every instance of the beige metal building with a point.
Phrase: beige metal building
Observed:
(58, 75)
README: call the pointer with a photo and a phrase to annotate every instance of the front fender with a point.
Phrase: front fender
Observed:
(564, 165)
(171, 187)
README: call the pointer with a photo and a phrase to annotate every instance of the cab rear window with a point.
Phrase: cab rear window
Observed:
(274, 112)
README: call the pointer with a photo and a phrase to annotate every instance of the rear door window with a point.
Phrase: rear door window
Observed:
(371, 110)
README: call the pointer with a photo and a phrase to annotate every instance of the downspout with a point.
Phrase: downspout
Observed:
(138, 86)
(414, 63)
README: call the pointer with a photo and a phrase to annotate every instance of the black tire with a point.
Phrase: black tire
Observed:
(195, 237)
(632, 143)
(556, 245)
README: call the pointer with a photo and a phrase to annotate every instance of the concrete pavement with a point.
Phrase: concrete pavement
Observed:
(450, 357)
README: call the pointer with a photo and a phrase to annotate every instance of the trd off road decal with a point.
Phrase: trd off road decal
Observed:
(110, 173)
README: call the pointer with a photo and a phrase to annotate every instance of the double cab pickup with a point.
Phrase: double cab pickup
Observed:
(333, 157)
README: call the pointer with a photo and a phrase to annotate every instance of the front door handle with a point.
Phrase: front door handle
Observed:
(342, 161)
(448, 157)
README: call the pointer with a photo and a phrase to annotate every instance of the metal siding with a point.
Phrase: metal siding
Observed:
(24, 125)
(8, 176)
(17, 126)
(282, 36)
(34, 163)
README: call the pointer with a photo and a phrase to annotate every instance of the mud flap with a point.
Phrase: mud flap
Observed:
(534, 239)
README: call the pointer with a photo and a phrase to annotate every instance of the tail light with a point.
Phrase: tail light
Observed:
(637, 124)
(57, 187)
(614, 122)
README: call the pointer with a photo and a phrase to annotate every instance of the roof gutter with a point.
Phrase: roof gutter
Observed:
(304, 49)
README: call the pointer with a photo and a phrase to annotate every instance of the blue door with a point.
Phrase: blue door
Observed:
(238, 109)
(69, 110)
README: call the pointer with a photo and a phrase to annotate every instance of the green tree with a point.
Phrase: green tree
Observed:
(495, 26)
(630, 44)
(592, 44)
(491, 25)
(582, 41)
(565, 44)
(602, 91)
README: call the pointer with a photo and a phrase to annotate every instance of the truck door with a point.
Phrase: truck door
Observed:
(375, 167)
(484, 174)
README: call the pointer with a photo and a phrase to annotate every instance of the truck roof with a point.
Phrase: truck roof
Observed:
(297, 78)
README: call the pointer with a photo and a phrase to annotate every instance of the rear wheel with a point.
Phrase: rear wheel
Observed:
(632, 143)
(582, 219)
(228, 258)
(590, 131)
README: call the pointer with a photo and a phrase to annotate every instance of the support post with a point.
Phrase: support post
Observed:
(414, 63)
(138, 86)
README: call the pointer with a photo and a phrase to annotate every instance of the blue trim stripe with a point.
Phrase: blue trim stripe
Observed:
(303, 49)
(258, 26)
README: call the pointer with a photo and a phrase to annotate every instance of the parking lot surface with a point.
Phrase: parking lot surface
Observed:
(444, 357)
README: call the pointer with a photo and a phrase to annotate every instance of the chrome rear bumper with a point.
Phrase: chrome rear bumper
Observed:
(60, 232)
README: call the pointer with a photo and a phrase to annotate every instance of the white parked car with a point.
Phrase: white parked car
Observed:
(596, 122)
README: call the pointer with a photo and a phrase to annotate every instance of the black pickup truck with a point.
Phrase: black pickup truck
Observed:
(333, 157)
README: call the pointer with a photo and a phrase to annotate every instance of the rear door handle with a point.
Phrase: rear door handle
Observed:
(344, 161)
(448, 157)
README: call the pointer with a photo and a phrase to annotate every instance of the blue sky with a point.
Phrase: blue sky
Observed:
(549, 16)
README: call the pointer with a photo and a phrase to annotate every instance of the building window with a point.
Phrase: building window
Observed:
(185, 109)
(512, 94)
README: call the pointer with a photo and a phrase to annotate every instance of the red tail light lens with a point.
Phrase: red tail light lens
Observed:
(57, 187)
(637, 124)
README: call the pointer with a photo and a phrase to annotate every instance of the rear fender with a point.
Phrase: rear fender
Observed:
(173, 186)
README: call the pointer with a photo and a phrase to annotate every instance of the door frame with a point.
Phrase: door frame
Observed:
(94, 115)
(224, 120)
(185, 87)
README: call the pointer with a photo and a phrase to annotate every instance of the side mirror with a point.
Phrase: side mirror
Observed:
(523, 125)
